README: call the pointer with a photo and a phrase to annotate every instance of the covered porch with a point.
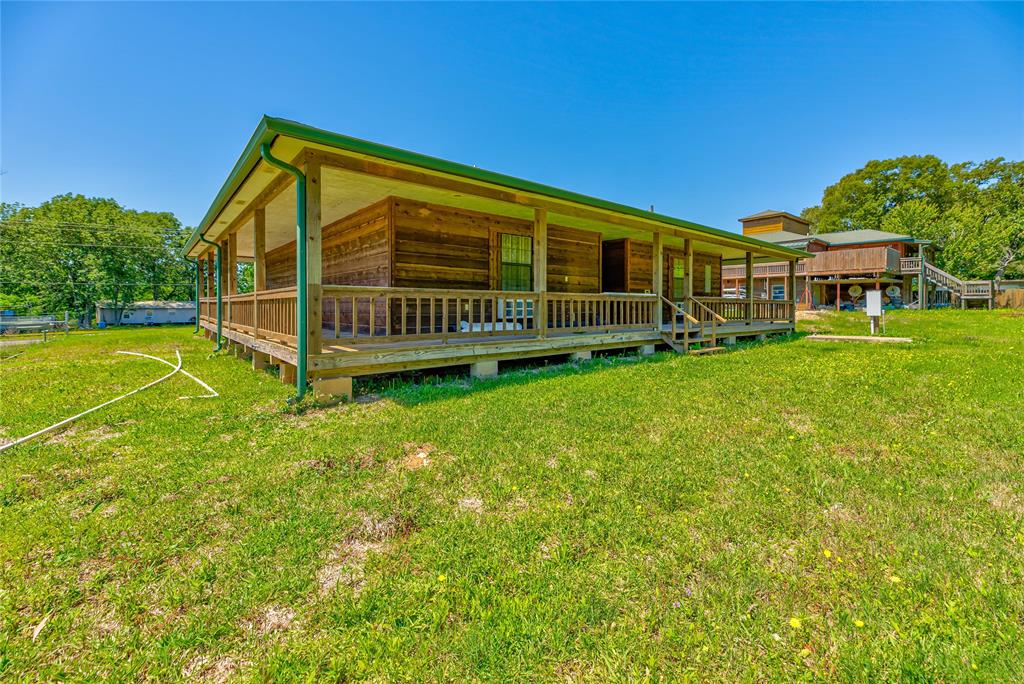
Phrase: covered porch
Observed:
(409, 262)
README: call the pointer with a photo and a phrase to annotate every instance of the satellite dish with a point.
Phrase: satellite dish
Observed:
(893, 291)
(856, 290)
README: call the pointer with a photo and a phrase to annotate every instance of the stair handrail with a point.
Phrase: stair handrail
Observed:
(715, 316)
(679, 309)
(715, 320)
(687, 318)
(931, 268)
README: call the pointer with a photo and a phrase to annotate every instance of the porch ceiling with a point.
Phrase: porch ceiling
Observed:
(345, 191)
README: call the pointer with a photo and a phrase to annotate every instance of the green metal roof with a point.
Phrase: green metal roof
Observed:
(269, 128)
(863, 237)
(785, 236)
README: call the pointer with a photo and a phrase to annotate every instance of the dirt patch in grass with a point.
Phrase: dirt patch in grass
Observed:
(1003, 498)
(63, 436)
(346, 560)
(101, 434)
(417, 455)
(206, 669)
(317, 465)
(797, 420)
(271, 619)
(471, 504)
(345, 566)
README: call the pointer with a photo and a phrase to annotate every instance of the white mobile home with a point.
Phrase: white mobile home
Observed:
(147, 313)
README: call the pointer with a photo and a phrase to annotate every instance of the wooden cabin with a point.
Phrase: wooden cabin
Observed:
(416, 262)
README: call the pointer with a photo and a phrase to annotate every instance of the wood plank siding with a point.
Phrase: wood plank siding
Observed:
(628, 267)
(354, 252)
(445, 247)
(574, 260)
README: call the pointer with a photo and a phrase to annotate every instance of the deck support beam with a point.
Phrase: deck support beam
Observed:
(232, 273)
(646, 350)
(580, 356)
(260, 360)
(314, 258)
(259, 263)
(540, 268)
(749, 257)
(792, 292)
(657, 273)
(922, 281)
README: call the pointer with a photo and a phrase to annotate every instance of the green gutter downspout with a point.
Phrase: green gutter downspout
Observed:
(220, 303)
(195, 262)
(300, 266)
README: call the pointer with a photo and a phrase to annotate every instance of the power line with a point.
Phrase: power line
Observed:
(67, 225)
(150, 248)
(93, 282)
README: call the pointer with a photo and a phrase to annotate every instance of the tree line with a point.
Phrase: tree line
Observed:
(72, 252)
(973, 213)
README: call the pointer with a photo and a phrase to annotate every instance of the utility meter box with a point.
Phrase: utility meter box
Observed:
(874, 303)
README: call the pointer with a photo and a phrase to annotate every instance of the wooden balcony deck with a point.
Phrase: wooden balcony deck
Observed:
(379, 330)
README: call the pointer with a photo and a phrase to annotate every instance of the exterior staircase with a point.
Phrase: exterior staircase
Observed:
(963, 290)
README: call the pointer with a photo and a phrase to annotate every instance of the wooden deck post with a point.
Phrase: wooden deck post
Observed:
(227, 269)
(314, 258)
(540, 269)
(688, 275)
(259, 264)
(922, 281)
(211, 274)
(792, 292)
(657, 279)
(749, 256)
(232, 263)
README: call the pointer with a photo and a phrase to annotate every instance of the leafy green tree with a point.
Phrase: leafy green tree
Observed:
(863, 198)
(973, 213)
(72, 251)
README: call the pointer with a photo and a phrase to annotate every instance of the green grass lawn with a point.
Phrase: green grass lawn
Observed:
(789, 510)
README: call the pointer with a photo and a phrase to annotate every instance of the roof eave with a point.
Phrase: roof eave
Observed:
(270, 127)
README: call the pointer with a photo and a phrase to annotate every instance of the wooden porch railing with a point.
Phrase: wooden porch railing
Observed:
(382, 314)
(599, 312)
(854, 261)
(910, 265)
(978, 288)
(391, 314)
(269, 314)
(387, 313)
(735, 309)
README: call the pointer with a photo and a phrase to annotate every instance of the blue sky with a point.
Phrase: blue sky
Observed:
(707, 111)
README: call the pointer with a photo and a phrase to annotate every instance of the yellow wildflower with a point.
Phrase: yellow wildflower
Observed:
(795, 623)
(828, 554)
(441, 578)
(858, 623)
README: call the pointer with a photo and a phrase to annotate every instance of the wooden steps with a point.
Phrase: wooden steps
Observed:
(676, 347)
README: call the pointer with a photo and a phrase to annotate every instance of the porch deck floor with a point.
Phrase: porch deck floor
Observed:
(364, 343)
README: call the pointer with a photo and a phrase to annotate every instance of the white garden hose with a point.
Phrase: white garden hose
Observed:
(67, 421)
(212, 393)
